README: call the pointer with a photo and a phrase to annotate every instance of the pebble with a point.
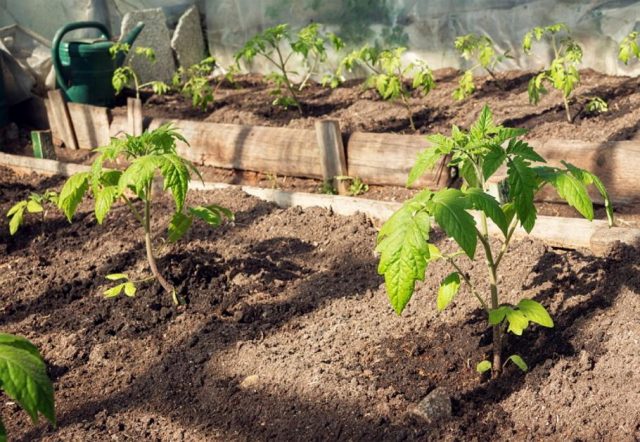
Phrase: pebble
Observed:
(250, 381)
(436, 406)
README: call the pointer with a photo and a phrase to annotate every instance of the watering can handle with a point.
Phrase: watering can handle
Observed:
(55, 45)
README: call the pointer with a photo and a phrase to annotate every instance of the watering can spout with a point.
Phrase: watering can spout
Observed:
(129, 39)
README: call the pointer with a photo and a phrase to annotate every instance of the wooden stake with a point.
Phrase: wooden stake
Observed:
(90, 124)
(59, 119)
(42, 141)
(332, 156)
(134, 116)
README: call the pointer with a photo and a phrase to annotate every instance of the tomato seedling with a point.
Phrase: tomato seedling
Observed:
(482, 52)
(563, 73)
(628, 48)
(194, 82)
(125, 75)
(403, 241)
(36, 203)
(309, 45)
(23, 377)
(147, 154)
(388, 74)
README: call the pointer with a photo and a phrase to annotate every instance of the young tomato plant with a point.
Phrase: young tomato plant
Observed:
(23, 377)
(36, 203)
(481, 51)
(148, 154)
(628, 48)
(388, 74)
(403, 241)
(125, 75)
(563, 72)
(309, 44)
(193, 82)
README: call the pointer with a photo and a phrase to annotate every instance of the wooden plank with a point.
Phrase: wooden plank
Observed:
(283, 151)
(59, 118)
(90, 124)
(380, 158)
(332, 155)
(45, 167)
(134, 116)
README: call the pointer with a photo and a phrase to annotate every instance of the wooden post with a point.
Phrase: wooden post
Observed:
(134, 116)
(42, 141)
(332, 156)
(59, 119)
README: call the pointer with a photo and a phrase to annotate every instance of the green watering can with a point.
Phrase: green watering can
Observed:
(84, 67)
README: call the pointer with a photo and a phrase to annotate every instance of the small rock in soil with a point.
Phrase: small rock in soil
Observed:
(250, 381)
(436, 406)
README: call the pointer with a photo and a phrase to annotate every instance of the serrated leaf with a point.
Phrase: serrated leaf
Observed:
(104, 199)
(483, 125)
(114, 291)
(129, 289)
(72, 193)
(518, 322)
(176, 178)
(449, 211)
(34, 207)
(523, 185)
(23, 377)
(523, 150)
(519, 362)
(493, 160)
(178, 226)
(589, 178)
(403, 248)
(139, 174)
(573, 191)
(448, 290)
(116, 276)
(483, 366)
(426, 160)
(535, 312)
(483, 201)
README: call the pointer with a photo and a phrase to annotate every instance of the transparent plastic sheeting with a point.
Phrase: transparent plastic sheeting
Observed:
(427, 27)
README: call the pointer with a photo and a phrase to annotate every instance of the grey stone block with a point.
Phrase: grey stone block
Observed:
(188, 39)
(155, 35)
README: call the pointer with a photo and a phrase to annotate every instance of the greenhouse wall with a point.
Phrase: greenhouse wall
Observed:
(427, 27)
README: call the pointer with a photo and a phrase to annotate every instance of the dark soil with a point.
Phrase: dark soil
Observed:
(249, 102)
(288, 334)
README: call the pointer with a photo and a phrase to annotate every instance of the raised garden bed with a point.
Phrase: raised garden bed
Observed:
(288, 334)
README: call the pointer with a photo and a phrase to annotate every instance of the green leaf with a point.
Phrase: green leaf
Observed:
(16, 213)
(493, 160)
(483, 125)
(518, 322)
(426, 160)
(448, 290)
(481, 200)
(589, 178)
(449, 210)
(211, 214)
(116, 276)
(104, 199)
(519, 362)
(524, 150)
(114, 291)
(34, 207)
(483, 366)
(535, 312)
(139, 173)
(72, 193)
(176, 178)
(496, 316)
(573, 191)
(403, 248)
(178, 226)
(23, 377)
(129, 289)
(523, 185)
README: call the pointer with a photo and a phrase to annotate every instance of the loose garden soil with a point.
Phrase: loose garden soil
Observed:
(288, 335)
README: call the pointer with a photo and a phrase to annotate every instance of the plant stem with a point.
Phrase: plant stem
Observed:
(566, 108)
(166, 285)
(283, 68)
(407, 106)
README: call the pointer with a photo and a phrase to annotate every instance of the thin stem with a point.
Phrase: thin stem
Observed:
(309, 74)
(407, 106)
(505, 245)
(287, 81)
(134, 210)
(149, 248)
